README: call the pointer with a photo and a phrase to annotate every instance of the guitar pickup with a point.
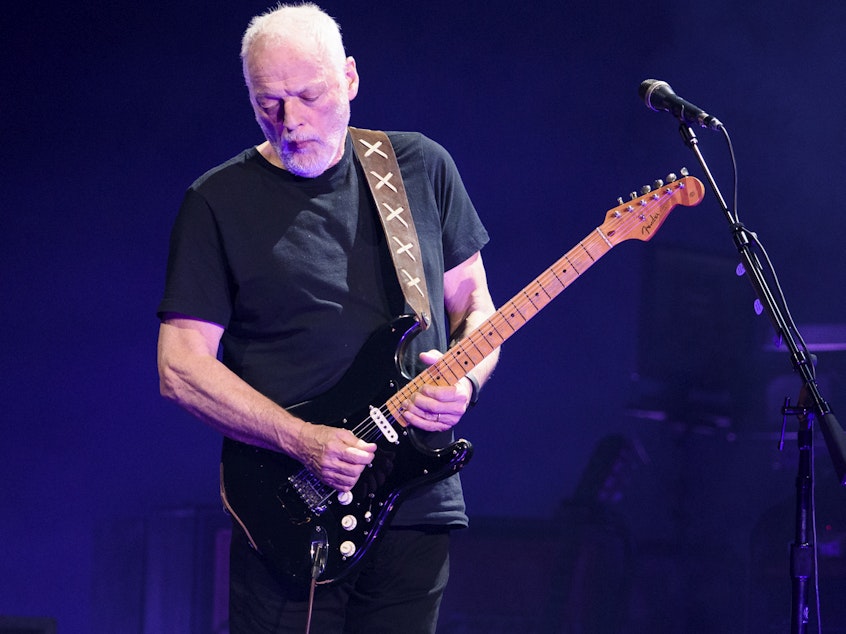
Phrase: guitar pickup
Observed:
(384, 425)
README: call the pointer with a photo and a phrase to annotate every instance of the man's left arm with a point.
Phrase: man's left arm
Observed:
(468, 304)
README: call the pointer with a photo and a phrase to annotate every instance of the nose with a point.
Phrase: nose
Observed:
(291, 113)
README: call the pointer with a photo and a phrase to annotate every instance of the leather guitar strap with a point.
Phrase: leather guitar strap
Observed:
(377, 158)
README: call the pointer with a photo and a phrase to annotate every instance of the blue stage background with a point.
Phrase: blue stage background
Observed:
(109, 110)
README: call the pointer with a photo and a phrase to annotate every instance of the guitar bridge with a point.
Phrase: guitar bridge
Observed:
(312, 491)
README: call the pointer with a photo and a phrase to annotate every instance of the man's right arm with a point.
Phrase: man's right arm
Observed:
(191, 375)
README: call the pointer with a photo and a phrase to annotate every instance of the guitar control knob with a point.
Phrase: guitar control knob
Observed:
(347, 549)
(345, 497)
(348, 522)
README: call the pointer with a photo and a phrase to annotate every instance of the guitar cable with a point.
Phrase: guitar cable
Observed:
(312, 587)
(319, 553)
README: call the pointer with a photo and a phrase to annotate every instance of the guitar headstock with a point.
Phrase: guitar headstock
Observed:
(642, 216)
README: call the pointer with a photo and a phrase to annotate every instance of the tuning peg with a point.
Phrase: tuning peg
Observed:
(671, 178)
(658, 184)
(633, 195)
(684, 171)
(645, 189)
(620, 200)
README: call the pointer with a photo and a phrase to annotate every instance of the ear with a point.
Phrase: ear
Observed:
(351, 75)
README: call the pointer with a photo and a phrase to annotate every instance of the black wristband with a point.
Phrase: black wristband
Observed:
(474, 395)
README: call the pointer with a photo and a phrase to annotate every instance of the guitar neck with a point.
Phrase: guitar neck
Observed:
(513, 315)
(639, 218)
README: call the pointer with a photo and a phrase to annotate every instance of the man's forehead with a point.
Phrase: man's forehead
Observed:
(278, 48)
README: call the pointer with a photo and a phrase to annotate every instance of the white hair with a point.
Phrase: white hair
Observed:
(304, 22)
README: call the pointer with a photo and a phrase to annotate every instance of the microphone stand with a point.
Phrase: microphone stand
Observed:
(812, 406)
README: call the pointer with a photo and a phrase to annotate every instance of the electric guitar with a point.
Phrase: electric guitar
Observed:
(309, 531)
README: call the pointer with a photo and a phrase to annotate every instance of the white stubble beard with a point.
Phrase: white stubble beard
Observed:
(311, 164)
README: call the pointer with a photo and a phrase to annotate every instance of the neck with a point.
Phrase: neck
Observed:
(267, 151)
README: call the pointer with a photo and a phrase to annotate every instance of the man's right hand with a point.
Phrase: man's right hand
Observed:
(335, 455)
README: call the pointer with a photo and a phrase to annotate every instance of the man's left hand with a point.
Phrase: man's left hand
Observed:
(434, 407)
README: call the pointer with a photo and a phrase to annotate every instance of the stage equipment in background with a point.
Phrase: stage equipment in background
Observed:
(811, 406)
(694, 373)
(167, 572)
(27, 625)
(593, 566)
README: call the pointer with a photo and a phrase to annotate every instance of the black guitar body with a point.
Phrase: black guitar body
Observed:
(289, 515)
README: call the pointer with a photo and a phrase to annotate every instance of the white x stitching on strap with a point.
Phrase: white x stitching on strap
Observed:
(404, 248)
(395, 214)
(373, 148)
(384, 180)
(413, 281)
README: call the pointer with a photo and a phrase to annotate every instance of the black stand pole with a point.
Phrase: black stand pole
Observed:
(812, 405)
(802, 550)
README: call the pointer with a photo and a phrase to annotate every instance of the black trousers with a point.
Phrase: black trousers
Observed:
(397, 589)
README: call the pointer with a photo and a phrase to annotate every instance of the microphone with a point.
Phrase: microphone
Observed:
(659, 96)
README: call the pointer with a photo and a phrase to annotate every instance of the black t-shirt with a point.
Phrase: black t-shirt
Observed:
(297, 273)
